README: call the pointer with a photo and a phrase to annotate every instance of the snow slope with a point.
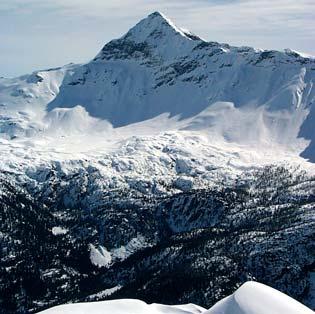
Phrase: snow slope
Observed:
(256, 298)
(250, 298)
(23, 101)
(124, 307)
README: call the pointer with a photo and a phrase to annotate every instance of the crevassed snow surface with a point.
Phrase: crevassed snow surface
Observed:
(250, 298)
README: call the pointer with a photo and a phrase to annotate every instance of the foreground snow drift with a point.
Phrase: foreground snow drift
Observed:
(256, 298)
(251, 298)
(124, 307)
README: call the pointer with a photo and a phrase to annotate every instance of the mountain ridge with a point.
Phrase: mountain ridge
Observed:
(157, 69)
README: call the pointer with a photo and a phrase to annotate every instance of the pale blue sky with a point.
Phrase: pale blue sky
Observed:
(38, 34)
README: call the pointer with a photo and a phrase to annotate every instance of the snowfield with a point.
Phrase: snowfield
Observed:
(256, 298)
(124, 307)
(251, 298)
(187, 155)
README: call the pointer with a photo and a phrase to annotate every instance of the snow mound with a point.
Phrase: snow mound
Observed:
(123, 307)
(256, 127)
(250, 298)
(156, 22)
(256, 298)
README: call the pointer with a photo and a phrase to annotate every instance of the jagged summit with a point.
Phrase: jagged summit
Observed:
(155, 26)
(154, 35)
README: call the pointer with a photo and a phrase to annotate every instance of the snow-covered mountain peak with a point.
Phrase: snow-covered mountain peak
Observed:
(158, 69)
(156, 36)
(156, 26)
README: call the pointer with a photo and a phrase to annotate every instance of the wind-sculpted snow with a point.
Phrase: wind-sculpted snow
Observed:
(125, 307)
(255, 298)
(250, 298)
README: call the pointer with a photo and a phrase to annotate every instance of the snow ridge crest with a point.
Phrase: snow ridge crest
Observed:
(154, 26)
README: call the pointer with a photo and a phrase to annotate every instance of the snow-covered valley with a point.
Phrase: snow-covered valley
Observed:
(165, 156)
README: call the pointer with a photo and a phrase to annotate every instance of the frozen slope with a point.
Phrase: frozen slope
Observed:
(140, 75)
(256, 298)
(124, 307)
(23, 101)
(250, 298)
